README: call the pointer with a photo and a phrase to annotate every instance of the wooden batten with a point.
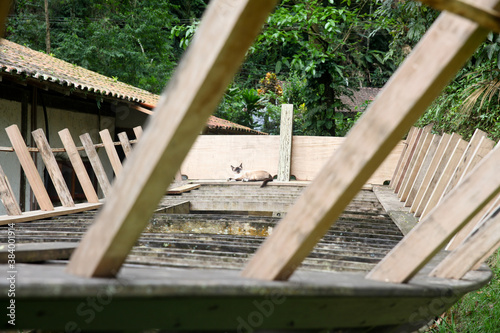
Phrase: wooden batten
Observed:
(77, 163)
(285, 153)
(124, 141)
(433, 62)
(483, 149)
(435, 230)
(53, 168)
(7, 196)
(392, 183)
(138, 132)
(422, 171)
(109, 146)
(102, 178)
(29, 168)
(410, 151)
(226, 31)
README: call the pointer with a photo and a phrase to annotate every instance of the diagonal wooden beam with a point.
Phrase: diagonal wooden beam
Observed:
(227, 30)
(433, 63)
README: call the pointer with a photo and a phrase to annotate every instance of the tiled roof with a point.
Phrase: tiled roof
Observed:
(359, 97)
(22, 61)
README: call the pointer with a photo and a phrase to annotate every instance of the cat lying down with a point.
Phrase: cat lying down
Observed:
(251, 175)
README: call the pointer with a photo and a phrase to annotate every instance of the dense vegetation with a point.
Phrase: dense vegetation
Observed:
(309, 53)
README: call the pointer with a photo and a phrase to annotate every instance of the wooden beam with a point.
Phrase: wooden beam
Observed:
(407, 159)
(434, 61)
(433, 232)
(77, 163)
(138, 132)
(127, 147)
(474, 249)
(29, 168)
(286, 130)
(401, 157)
(109, 146)
(7, 196)
(227, 30)
(53, 168)
(102, 178)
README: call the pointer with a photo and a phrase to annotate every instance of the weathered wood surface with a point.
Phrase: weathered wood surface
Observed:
(138, 132)
(410, 151)
(95, 161)
(78, 166)
(227, 29)
(29, 168)
(53, 168)
(399, 214)
(109, 146)
(433, 62)
(285, 150)
(37, 252)
(433, 232)
(401, 157)
(125, 142)
(183, 188)
(7, 196)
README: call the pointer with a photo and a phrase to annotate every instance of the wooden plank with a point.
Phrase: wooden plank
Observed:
(226, 31)
(407, 159)
(37, 252)
(433, 232)
(29, 168)
(78, 166)
(480, 243)
(433, 62)
(483, 149)
(96, 163)
(426, 163)
(40, 214)
(7, 196)
(183, 188)
(445, 157)
(448, 170)
(416, 162)
(109, 146)
(443, 143)
(464, 161)
(285, 153)
(127, 147)
(53, 168)
(401, 157)
(138, 132)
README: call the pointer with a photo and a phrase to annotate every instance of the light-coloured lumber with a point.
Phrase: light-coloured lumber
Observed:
(226, 31)
(40, 214)
(53, 168)
(407, 159)
(483, 149)
(7, 196)
(416, 162)
(138, 132)
(480, 243)
(433, 232)
(422, 171)
(29, 168)
(443, 143)
(401, 157)
(445, 157)
(127, 147)
(433, 62)
(474, 142)
(78, 166)
(95, 161)
(448, 170)
(109, 146)
(285, 154)
(183, 188)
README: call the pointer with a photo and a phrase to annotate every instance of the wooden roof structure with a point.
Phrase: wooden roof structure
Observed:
(269, 293)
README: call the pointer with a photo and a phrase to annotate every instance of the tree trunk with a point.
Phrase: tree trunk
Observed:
(47, 29)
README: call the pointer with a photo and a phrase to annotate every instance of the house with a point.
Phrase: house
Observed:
(40, 91)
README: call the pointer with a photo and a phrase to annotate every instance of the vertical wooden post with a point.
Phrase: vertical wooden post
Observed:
(109, 146)
(227, 30)
(53, 168)
(29, 168)
(7, 196)
(138, 132)
(285, 154)
(77, 163)
(96, 163)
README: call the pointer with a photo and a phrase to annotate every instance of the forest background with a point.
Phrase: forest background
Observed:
(310, 53)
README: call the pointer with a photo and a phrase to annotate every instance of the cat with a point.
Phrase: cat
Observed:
(251, 175)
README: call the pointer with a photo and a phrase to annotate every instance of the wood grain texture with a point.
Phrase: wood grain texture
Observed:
(78, 166)
(29, 168)
(433, 232)
(226, 31)
(7, 196)
(285, 152)
(433, 62)
(483, 149)
(109, 146)
(407, 159)
(95, 161)
(124, 141)
(53, 168)
(401, 158)
(422, 171)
